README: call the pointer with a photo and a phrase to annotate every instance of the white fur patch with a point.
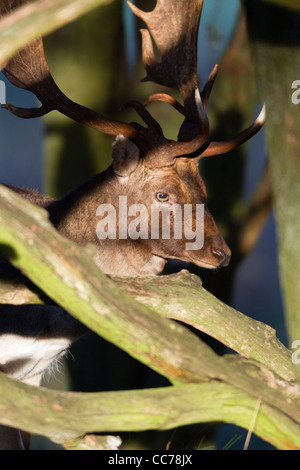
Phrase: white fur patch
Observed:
(23, 357)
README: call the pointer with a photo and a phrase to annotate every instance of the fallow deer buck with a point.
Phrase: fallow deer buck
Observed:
(147, 168)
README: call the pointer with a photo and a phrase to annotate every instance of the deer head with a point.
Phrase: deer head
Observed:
(147, 168)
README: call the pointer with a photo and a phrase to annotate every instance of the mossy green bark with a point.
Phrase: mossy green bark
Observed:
(63, 416)
(66, 274)
(182, 297)
(276, 48)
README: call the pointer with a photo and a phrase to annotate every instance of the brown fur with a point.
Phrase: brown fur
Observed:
(31, 195)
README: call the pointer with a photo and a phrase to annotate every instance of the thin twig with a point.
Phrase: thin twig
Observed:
(252, 424)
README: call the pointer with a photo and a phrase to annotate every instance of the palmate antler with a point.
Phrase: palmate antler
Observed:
(173, 25)
(176, 41)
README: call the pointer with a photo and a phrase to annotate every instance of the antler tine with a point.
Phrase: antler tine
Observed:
(219, 148)
(145, 115)
(205, 93)
(27, 113)
(166, 99)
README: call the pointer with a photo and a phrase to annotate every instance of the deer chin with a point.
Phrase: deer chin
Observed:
(202, 263)
(197, 261)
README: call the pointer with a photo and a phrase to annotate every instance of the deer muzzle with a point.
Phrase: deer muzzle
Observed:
(220, 250)
(215, 253)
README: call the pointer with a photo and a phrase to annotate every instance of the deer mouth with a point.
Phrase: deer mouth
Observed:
(203, 264)
(197, 261)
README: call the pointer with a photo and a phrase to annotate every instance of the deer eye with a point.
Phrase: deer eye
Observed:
(162, 197)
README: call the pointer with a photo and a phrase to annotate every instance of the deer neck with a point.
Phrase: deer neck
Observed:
(74, 216)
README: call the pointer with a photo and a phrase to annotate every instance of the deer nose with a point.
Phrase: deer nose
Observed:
(222, 257)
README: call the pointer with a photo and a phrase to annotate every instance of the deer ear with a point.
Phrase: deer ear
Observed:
(125, 156)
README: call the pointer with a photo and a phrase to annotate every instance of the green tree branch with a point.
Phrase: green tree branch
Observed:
(181, 297)
(276, 50)
(66, 273)
(63, 416)
(39, 18)
(291, 4)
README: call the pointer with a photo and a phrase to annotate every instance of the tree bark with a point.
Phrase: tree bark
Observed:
(181, 297)
(275, 38)
(66, 273)
(63, 416)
